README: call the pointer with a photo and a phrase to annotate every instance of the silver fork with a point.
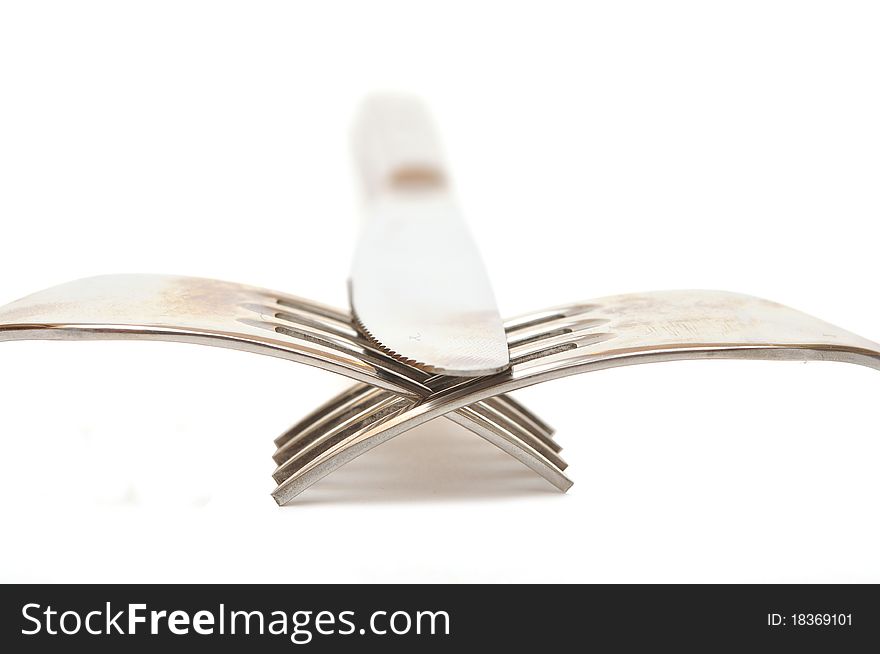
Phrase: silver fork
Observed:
(210, 312)
(628, 330)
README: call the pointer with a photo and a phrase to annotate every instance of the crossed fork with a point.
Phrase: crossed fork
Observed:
(392, 397)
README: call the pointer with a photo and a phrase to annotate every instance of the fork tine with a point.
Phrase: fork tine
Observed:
(499, 422)
(535, 345)
(547, 315)
(506, 439)
(317, 308)
(488, 413)
(552, 328)
(525, 414)
(328, 340)
(500, 416)
(365, 406)
(316, 443)
(335, 408)
(499, 406)
(330, 405)
(346, 413)
(532, 434)
(335, 329)
(504, 421)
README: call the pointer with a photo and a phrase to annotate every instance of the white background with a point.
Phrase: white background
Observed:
(597, 148)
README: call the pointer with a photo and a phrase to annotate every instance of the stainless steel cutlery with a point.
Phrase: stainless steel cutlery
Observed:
(425, 339)
(393, 397)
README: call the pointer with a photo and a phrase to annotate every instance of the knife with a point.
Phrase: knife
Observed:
(418, 287)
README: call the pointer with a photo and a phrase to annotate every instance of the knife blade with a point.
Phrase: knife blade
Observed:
(418, 286)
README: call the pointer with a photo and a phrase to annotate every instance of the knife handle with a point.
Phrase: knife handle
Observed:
(396, 147)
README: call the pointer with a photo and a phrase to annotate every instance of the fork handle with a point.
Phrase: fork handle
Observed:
(396, 146)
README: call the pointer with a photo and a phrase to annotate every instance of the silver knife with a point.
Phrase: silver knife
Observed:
(418, 286)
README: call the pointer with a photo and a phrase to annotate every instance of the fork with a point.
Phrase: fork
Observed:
(625, 330)
(224, 314)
